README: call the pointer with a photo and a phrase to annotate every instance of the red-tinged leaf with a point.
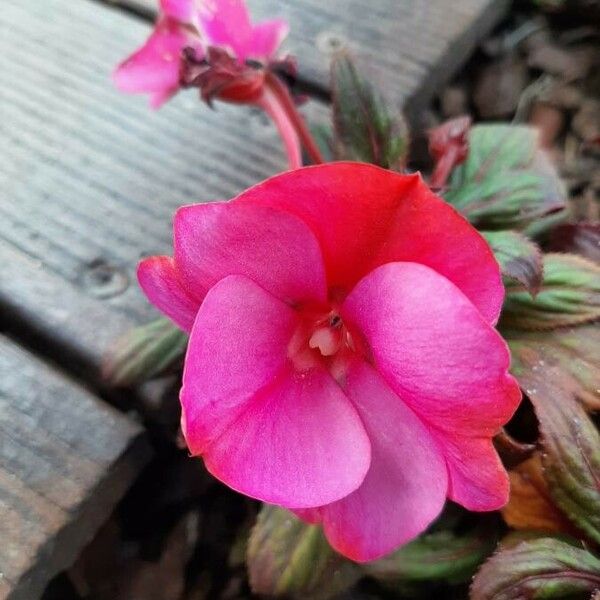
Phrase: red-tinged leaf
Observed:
(511, 451)
(574, 351)
(520, 259)
(287, 557)
(441, 556)
(541, 568)
(569, 295)
(570, 448)
(580, 238)
(145, 352)
(507, 182)
(530, 505)
(365, 129)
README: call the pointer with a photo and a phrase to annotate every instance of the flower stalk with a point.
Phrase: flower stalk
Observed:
(280, 91)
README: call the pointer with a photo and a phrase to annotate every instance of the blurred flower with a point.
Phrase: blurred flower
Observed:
(342, 360)
(212, 44)
(197, 24)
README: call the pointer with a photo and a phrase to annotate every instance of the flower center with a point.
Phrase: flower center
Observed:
(328, 337)
(322, 337)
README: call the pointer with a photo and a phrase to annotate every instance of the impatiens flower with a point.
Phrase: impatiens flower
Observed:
(212, 44)
(342, 361)
(197, 24)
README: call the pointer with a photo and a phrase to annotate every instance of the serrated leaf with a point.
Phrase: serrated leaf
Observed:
(570, 448)
(438, 557)
(542, 568)
(520, 259)
(365, 129)
(507, 182)
(530, 506)
(144, 352)
(287, 557)
(569, 295)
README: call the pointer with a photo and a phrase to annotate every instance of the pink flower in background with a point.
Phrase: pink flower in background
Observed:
(212, 44)
(342, 360)
(198, 24)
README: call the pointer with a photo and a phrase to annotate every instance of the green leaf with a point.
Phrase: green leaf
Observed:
(575, 351)
(438, 557)
(507, 182)
(364, 128)
(571, 448)
(287, 557)
(520, 259)
(538, 569)
(569, 295)
(145, 352)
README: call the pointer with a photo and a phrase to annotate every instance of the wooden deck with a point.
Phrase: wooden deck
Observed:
(89, 180)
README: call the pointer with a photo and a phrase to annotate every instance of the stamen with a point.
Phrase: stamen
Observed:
(327, 340)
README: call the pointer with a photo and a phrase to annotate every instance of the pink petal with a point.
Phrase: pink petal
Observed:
(299, 443)
(478, 480)
(364, 216)
(434, 349)
(160, 282)
(238, 345)
(182, 10)
(266, 38)
(273, 248)
(405, 488)
(265, 429)
(157, 99)
(154, 68)
(226, 23)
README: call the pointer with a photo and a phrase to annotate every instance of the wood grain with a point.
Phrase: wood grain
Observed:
(91, 178)
(65, 460)
(409, 48)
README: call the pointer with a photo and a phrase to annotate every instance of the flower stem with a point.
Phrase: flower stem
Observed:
(271, 104)
(273, 83)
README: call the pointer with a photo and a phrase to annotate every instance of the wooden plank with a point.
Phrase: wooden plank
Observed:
(409, 48)
(90, 178)
(66, 458)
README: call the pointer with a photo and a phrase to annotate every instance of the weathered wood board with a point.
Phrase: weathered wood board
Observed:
(409, 48)
(90, 178)
(66, 458)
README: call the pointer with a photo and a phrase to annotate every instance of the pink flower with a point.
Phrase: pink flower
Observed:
(342, 359)
(198, 24)
(212, 44)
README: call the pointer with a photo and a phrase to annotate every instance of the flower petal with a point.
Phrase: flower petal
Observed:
(434, 349)
(226, 23)
(264, 428)
(267, 36)
(478, 479)
(182, 10)
(160, 282)
(154, 68)
(299, 443)
(364, 216)
(273, 248)
(239, 344)
(405, 488)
